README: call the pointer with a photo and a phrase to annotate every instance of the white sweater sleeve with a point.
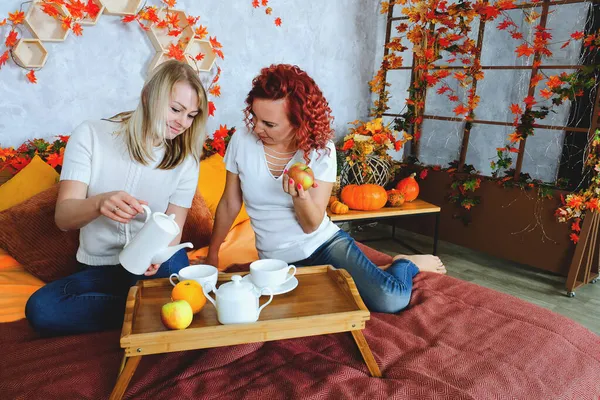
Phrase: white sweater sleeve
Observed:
(77, 161)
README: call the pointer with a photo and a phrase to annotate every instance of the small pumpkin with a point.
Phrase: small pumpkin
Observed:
(364, 197)
(331, 200)
(395, 198)
(337, 207)
(409, 187)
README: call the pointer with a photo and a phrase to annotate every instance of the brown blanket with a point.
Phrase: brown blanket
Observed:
(457, 340)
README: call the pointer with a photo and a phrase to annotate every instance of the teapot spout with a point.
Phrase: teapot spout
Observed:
(167, 253)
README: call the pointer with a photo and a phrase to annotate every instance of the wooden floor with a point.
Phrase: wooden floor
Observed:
(538, 287)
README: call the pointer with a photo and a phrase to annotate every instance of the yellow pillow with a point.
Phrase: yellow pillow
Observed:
(211, 184)
(36, 177)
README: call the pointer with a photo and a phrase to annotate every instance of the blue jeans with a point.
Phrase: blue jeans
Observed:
(382, 291)
(90, 300)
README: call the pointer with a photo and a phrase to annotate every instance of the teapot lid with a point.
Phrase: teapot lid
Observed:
(235, 288)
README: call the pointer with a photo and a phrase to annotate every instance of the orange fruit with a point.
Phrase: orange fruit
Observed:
(190, 291)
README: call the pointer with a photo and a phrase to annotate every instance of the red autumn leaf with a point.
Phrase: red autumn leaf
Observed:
(215, 43)
(4, 58)
(54, 160)
(423, 174)
(516, 35)
(443, 74)
(66, 23)
(219, 53)
(192, 20)
(264, 2)
(11, 39)
(574, 238)
(516, 109)
(211, 108)
(199, 57)
(529, 101)
(277, 21)
(128, 18)
(453, 98)
(175, 52)
(524, 50)
(76, 8)
(92, 9)
(577, 35)
(215, 90)
(565, 44)
(461, 76)
(173, 20)
(514, 137)
(31, 76)
(174, 32)
(513, 150)
(17, 17)
(201, 32)
(50, 9)
(443, 89)
(575, 226)
(255, 3)
(506, 4)
(536, 64)
(170, 3)
(77, 29)
(554, 82)
(536, 79)
(504, 24)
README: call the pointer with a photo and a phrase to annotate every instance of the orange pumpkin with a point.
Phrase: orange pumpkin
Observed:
(337, 207)
(332, 199)
(364, 197)
(395, 198)
(409, 187)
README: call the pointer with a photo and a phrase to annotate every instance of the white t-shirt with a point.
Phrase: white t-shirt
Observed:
(99, 158)
(271, 210)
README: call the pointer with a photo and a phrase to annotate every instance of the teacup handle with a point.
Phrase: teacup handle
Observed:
(268, 301)
(290, 275)
(173, 275)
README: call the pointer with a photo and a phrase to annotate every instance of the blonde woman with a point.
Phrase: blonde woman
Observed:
(111, 167)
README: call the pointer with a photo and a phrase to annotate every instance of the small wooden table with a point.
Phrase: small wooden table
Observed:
(325, 301)
(416, 207)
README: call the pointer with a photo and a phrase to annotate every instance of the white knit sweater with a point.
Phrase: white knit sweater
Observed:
(99, 158)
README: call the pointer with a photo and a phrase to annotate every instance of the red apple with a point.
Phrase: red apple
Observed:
(302, 174)
(176, 314)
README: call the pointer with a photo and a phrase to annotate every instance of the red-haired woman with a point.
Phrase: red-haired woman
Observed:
(289, 121)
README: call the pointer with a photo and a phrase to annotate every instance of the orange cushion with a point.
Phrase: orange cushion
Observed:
(211, 184)
(16, 285)
(237, 248)
(198, 224)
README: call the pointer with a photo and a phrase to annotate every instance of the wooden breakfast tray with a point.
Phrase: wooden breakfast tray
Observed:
(325, 301)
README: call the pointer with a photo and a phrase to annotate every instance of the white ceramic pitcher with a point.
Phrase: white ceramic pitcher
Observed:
(151, 244)
(236, 301)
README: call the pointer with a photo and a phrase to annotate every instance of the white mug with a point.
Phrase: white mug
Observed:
(271, 273)
(201, 273)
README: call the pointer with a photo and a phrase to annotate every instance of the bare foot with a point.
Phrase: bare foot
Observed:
(425, 262)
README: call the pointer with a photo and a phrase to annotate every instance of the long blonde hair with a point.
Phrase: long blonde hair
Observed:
(148, 121)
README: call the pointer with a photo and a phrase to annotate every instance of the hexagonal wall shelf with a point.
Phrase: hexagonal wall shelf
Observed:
(92, 21)
(43, 26)
(196, 47)
(121, 7)
(30, 53)
(160, 36)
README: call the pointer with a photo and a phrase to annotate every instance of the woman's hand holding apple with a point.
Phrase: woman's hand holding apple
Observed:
(297, 180)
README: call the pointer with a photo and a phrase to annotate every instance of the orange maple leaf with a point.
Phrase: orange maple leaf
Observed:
(215, 43)
(546, 93)
(11, 39)
(524, 50)
(255, 3)
(175, 52)
(3, 22)
(192, 20)
(536, 79)
(50, 9)
(553, 82)
(170, 3)
(577, 35)
(77, 29)
(173, 20)
(219, 53)
(66, 23)
(514, 137)
(201, 32)
(174, 32)
(4, 58)
(277, 21)
(460, 110)
(516, 109)
(264, 2)
(199, 57)
(31, 76)
(54, 160)
(461, 76)
(529, 101)
(211, 108)
(128, 18)
(215, 90)
(17, 17)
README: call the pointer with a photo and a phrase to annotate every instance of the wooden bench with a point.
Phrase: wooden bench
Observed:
(416, 207)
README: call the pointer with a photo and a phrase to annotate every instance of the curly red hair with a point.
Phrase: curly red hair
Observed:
(307, 108)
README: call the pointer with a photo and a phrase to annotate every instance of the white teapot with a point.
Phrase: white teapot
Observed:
(151, 244)
(236, 301)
